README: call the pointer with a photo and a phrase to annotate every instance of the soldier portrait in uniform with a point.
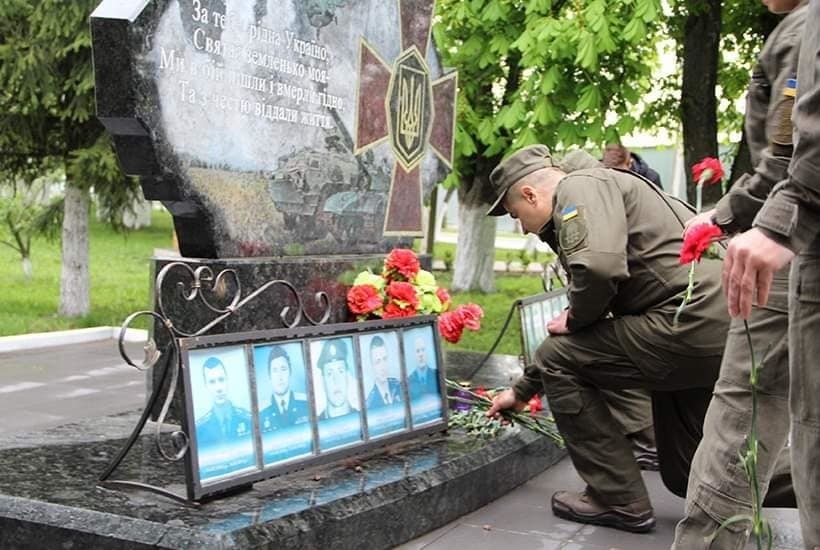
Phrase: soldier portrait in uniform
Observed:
(381, 370)
(281, 390)
(336, 391)
(221, 402)
(422, 375)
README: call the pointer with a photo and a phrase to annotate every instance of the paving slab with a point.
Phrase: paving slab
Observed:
(523, 518)
(45, 387)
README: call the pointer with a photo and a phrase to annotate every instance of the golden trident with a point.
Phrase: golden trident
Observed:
(410, 106)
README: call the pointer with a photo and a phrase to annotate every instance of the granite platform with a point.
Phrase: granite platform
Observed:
(49, 497)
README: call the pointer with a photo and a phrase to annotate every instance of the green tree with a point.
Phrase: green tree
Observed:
(557, 72)
(716, 46)
(25, 212)
(47, 115)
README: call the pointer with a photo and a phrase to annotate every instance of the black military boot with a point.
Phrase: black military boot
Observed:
(637, 517)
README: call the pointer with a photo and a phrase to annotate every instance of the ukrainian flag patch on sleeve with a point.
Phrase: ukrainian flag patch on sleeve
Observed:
(569, 212)
(790, 90)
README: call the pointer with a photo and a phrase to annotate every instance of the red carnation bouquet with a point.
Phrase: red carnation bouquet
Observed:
(403, 289)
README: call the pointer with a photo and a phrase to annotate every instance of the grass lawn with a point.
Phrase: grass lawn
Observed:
(501, 254)
(119, 279)
(120, 286)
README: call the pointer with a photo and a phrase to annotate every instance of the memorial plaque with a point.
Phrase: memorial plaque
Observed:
(277, 127)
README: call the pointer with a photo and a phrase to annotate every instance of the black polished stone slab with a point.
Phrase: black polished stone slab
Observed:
(244, 118)
(48, 497)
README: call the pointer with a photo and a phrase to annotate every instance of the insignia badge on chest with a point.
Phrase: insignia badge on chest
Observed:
(573, 233)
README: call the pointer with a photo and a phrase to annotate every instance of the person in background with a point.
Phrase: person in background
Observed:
(618, 156)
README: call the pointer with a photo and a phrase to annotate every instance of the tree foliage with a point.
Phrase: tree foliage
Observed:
(546, 71)
(47, 98)
(47, 119)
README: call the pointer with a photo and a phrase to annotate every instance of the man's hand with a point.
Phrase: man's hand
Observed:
(703, 217)
(749, 266)
(503, 401)
(558, 325)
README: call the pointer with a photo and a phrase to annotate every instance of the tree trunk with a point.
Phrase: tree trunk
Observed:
(28, 271)
(475, 250)
(74, 279)
(698, 100)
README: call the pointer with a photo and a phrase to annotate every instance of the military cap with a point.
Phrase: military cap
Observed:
(521, 163)
(333, 350)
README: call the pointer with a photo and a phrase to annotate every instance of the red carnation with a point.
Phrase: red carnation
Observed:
(471, 314)
(708, 171)
(535, 404)
(403, 292)
(392, 311)
(450, 326)
(697, 240)
(402, 262)
(363, 299)
(444, 298)
(481, 392)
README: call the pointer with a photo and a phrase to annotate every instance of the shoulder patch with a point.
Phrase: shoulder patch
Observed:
(569, 212)
(573, 233)
(790, 90)
(782, 129)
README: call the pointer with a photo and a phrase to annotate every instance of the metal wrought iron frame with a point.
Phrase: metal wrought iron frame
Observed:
(172, 361)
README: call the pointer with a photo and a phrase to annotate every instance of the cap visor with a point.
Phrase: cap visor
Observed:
(497, 209)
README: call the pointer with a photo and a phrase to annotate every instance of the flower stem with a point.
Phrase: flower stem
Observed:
(688, 295)
(699, 197)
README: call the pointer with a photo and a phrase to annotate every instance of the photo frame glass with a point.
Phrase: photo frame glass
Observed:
(283, 402)
(223, 424)
(384, 386)
(336, 392)
(423, 378)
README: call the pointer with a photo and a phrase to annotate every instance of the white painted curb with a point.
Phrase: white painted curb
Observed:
(37, 340)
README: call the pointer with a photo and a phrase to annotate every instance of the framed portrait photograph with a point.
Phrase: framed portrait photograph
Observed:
(546, 309)
(336, 392)
(383, 383)
(424, 383)
(539, 325)
(282, 397)
(223, 431)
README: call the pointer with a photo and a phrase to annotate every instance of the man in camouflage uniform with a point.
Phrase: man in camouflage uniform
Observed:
(619, 238)
(718, 487)
(787, 229)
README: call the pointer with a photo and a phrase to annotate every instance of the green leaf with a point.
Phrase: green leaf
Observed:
(590, 99)
(635, 30)
(587, 51)
(550, 79)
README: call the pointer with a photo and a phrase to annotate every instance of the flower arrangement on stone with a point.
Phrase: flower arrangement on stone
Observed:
(403, 289)
(471, 405)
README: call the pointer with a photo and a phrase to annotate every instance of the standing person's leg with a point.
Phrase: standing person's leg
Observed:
(718, 488)
(804, 399)
(632, 409)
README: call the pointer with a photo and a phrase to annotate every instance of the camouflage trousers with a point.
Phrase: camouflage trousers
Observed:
(718, 488)
(804, 397)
